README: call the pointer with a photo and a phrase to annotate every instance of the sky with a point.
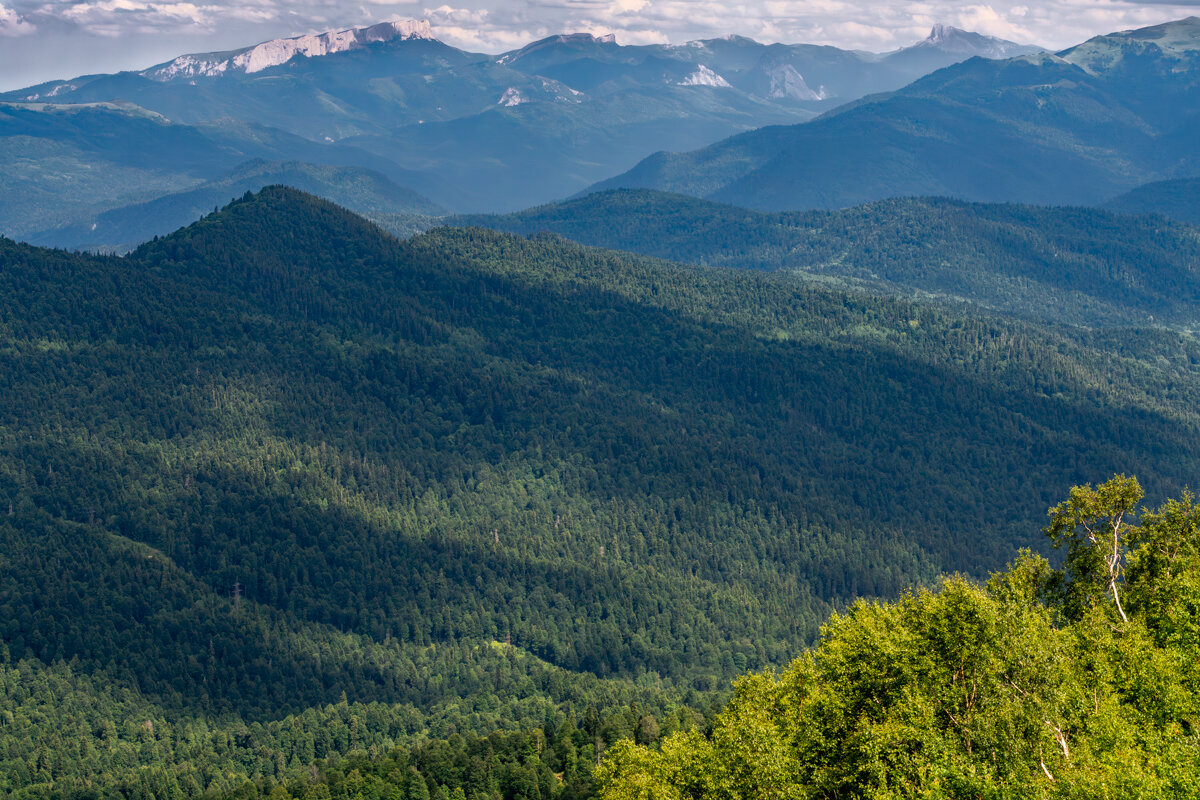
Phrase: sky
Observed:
(47, 39)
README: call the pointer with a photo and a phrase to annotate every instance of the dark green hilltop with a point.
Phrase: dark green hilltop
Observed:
(290, 507)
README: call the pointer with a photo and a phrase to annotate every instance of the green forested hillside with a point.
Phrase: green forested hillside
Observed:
(1074, 265)
(279, 472)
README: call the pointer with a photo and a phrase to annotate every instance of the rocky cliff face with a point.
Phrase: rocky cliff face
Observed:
(280, 51)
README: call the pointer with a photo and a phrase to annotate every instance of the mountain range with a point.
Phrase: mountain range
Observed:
(361, 190)
(1178, 199)
(448, 128)
(473, 132)
(1075, 127)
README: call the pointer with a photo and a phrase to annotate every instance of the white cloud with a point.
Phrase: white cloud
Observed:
(116, 17)
(11, 23)
(133, 33)
(122, 17)
(869, 36)
(448, 15)
(634, 35)
(470, 29)
(496, 25)
(253, 14)
(985, 19)
(486, 41)
(481, 30)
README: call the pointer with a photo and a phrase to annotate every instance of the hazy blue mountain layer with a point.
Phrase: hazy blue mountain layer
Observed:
(1077, 127)
(471, 131)
(65, 164)
(122, 229)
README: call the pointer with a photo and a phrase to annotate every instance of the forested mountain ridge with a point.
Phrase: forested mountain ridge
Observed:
(1061, 265)
(280, 456)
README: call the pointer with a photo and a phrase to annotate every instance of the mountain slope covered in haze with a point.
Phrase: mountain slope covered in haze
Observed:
(122, 229)
(1078, 128)
(66, 163)
(483, 132)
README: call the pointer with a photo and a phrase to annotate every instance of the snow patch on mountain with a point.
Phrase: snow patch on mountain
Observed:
(55, 92)
(511, 97)
(705, 77)
(564, 38)
(560, 92)
(280, 51)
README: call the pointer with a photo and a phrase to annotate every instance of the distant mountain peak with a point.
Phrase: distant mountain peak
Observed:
(735, 38)
(942, 33)
(719, 42)
(1186, 30)
(1181, 35)
(950, 39)
(608, 38)
(785, 81)
(552, 42)
(280, 51)
(567, 38)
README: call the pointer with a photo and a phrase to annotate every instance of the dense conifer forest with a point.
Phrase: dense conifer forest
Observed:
(291, 508)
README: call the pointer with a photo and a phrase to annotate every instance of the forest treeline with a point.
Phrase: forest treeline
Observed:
(279, 472)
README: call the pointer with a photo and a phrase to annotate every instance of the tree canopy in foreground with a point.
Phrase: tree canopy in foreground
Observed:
(1043, 683)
